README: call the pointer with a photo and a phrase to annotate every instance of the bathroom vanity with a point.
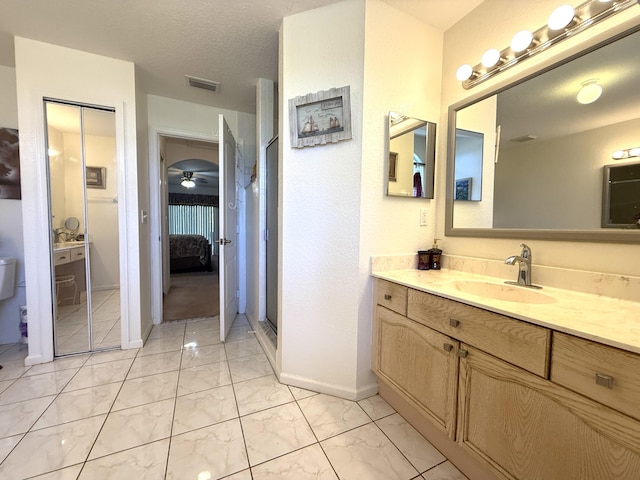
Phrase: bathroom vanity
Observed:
(509, 382)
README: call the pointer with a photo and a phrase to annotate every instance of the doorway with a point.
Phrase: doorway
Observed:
(190, 228)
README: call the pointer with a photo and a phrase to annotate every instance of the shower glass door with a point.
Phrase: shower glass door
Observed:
(83, 194)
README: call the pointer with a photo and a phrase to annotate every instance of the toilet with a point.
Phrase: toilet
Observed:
(7, 277)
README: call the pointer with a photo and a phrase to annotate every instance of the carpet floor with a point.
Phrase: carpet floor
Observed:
(192, 295)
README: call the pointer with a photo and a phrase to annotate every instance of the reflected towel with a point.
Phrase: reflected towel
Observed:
(417, 184)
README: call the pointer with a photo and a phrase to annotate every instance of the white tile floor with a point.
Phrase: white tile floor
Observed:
(189, 407)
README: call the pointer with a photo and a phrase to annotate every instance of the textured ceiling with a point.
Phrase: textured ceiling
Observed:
(234, 42)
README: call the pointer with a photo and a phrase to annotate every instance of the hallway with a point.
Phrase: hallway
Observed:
(189, 407)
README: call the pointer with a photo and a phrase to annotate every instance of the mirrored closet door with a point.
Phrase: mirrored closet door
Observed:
(83, 198)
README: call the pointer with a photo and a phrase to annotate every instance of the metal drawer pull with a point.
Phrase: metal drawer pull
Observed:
(387, 296)
(447, 347)
(604, 380)
(463, 353)
(454, 323)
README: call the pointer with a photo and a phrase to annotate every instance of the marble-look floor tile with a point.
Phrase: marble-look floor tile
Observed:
(58, 364)
(414, 446)
(204, 338)
(161, 345)
(12, 369)
(309, 463)
(201, 409)
(142, 390)
(261, 393)
(444, 471)
(17, 351)
(133, 427)
(243, 348)
(274, 432)
(204, 377)
(147, 462)
(367, 453)
(100, 374)
(79, 404)
(246, 368)
(152, 364)
(173, 329)
(57, 447)
(27, 388)
(376, 407)
(16, 418)
(240, 333)
(329, 416)
(7, 444)
(243, 475)
(193, 357)
(204, 325)
(4, 384)
(300, 393)
(217, 450)
(69, 473)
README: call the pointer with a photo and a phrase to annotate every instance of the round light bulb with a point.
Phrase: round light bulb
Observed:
(52, 152)
(490, 58)
(634, 152)
(617, 155)
(521, 41)
(561, 17)
(464, 72)
(589, 93)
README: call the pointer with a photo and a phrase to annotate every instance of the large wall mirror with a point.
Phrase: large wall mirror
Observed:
(410, 156)
(543, 153)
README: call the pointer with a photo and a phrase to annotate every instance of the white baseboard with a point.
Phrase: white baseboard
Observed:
(135, 344)
(35, 360)
(329, 389)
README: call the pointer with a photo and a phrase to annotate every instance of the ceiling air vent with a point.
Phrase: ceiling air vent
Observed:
(524, 138)
(202, 83)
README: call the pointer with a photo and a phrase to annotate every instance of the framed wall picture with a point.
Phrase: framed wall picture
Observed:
(9, 164)
(320, 118)
(96, 177)
(463, 189)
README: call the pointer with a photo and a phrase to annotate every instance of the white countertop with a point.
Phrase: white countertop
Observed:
(58, 247)
(602, 319)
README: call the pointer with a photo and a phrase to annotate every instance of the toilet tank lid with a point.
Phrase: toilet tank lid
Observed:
(7, 260)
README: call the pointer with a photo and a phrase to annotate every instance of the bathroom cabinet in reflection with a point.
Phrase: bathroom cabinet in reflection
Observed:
(410, 156)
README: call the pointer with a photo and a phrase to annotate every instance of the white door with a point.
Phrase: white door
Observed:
(228, 228)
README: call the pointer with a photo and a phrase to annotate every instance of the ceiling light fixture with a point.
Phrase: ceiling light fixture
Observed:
(186, 180)
(627, 153)
(589, 92)
(564, 21)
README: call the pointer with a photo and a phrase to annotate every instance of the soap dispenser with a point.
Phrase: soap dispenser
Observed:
(436, 255)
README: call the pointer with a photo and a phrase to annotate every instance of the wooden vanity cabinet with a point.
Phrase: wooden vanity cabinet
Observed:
(528, 428)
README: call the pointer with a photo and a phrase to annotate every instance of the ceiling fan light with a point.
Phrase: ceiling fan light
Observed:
(186, 183)
(465, 72)
(521, 41)
(490, 58)
(561, 17)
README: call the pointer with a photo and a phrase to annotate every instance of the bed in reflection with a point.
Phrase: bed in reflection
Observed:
(189, 253)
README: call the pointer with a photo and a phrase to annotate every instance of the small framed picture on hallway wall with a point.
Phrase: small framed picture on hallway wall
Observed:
(96, 177)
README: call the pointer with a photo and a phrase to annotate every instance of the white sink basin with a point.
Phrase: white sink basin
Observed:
(502, 291)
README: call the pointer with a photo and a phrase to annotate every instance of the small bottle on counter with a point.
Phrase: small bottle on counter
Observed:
(424, 260)
(435, 256)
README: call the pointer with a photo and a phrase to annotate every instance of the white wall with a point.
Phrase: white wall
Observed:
(334, 212)
(93, 79)
(11, 218)
(492, 24)
(166, 116)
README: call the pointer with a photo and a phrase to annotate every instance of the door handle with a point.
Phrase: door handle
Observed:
(224, 241)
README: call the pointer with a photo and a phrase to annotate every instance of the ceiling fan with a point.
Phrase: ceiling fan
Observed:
(189, 180)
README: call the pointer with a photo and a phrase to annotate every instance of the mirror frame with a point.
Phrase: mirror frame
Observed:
(607, 235)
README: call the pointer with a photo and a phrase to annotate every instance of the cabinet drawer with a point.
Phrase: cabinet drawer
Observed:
(392, 296)
(60, 257)
(76, 253)
(605, 374)
(514, 341)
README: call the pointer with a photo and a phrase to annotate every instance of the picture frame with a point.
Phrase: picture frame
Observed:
(96, 177)
(393, 166)
(463, 189)
(320, 118)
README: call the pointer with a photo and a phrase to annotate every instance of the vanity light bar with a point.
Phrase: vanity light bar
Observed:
(564, 21)
(624, 154)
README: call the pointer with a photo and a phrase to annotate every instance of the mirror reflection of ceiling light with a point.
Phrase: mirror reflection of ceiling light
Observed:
(186, 180)
(590, 92)
(561, 17)
(52, 152)
(627, 153)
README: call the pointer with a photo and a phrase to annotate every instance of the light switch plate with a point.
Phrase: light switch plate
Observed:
(424, 217)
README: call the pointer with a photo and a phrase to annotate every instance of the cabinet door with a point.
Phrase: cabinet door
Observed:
(420, 364)
(528, 428)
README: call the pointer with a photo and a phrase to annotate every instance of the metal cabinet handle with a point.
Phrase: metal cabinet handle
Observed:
(62, 258)
(387, 296)
(447, 347)
(463, 353)
(454, 323)
(604, 380)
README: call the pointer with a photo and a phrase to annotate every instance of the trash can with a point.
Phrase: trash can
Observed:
(24, 337)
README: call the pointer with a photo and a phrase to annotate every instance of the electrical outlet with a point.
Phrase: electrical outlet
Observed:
(424, 217)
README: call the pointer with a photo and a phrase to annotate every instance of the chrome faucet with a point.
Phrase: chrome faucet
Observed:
(524, 267)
